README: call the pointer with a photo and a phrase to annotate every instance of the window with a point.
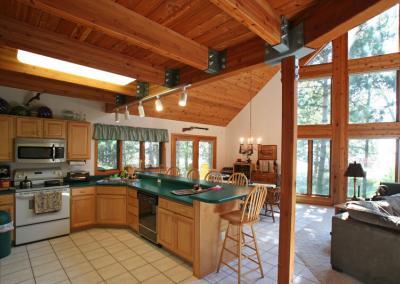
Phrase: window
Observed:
(372, 97)
(107, 155)
(313, 167)
(314, 101)
(324, 56)
(131, 153)
(378, 159)
(152, 154)
(379, 35)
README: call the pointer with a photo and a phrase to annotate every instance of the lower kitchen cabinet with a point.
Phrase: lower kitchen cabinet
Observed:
(166, 231)
(111, 209)
(184, 237)
(7, 204)
(83, 207)
(132, 212)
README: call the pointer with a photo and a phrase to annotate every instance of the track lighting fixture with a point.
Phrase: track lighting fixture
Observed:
(127, 114)
(159, 106)
(117, 115)
(141, 110)
(183, 98)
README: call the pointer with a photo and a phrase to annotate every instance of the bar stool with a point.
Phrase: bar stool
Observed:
(173, 171)
(193, 174)
(214, 176)
(247, 215)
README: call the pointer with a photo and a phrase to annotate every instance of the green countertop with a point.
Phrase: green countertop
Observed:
(148, 183)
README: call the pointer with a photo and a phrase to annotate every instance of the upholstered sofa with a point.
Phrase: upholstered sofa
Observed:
(366, 241)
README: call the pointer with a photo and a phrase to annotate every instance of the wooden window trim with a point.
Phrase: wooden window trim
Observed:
(119, 162)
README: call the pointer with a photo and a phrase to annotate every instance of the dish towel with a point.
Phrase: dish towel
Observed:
(45, 202)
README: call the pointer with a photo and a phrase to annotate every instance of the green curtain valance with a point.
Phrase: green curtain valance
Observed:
(128, 133)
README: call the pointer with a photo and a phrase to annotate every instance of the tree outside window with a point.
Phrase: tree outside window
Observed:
(107, 155)
(152, 154)
(131, 153)
(324, 56)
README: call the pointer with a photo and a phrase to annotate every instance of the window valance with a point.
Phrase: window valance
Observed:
(128, 133)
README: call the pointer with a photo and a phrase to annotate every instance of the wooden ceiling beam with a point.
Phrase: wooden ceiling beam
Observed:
(23, 36)
(51, 86)
(258, 16)
(122, 23)
(9, 62)
(333, 18)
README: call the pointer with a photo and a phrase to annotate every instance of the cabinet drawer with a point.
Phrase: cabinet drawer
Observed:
(132, 202)
(6, 199)
(133, 210)
(83, 191)
(176, 207)
(132, 193)
(114, 190)
(133, 221)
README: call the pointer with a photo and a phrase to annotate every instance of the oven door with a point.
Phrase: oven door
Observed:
(40, 151)
(24, 208)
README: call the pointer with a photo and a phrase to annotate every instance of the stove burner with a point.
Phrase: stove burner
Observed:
(54, 182)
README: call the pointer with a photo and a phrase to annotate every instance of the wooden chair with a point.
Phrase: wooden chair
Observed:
(214, 176)
(193, 174)
(238, 179)
(173, 171)
(273, 199)
(247, 215)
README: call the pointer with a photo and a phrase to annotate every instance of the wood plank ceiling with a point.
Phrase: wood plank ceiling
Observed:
(215, 102)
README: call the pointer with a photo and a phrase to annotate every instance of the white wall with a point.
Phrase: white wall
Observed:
(95, 114)
(266, 121)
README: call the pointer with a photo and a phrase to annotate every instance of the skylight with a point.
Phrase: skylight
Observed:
(71, 68)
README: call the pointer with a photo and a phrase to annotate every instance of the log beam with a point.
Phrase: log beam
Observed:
(258, 16)
(122, 23)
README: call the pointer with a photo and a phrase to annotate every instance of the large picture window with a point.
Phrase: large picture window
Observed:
(107, 155)
(314, 101)
(324, 56)
(372, 97)
(131, 153)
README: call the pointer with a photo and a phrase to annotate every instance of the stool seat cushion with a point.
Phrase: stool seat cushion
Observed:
(235, 218)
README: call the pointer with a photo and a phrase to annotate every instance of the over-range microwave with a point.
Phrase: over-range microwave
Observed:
(29, 150)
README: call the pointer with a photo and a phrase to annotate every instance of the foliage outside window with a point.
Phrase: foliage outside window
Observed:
(206, 156)
(372, 97)
(152, 154)
(314, 155)
(378, 159)
(324, 56)
(107, 155)
(379, 35)
(184, 156)
(314, 101)
(131, 153)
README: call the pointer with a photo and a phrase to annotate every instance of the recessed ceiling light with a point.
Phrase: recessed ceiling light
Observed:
(72, 68)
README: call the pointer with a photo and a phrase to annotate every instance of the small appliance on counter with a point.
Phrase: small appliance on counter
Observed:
(5, 181)
(78, 176)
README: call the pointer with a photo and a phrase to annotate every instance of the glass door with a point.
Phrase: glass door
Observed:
(206, 157)
(184, 156)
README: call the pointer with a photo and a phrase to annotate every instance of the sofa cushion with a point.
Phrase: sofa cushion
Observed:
(394, 188)
(374, 212)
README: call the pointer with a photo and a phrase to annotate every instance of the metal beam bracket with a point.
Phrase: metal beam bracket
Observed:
(296, 47)
(216, 61)
(283, 46)
(172, 78)
(142, 89)
(120, 100)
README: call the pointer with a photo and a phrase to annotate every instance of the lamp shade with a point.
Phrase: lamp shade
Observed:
(354, 170)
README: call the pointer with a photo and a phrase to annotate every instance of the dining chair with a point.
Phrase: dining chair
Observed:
(238, 179)
(273, 199)
(193, 174)
(214, 176)
(173, 171)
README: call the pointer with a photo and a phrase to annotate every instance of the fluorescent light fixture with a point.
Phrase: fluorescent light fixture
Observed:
(117, 115)
(72, 68)
(183, 98)
(127, 114)
(159, 106)
(141, 110)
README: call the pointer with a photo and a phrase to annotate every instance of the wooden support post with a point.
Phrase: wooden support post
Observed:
(288, 191)
(340, 118)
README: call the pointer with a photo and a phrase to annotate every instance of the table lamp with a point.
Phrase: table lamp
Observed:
(354, 170)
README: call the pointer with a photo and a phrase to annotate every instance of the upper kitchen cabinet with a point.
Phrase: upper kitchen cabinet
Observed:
(29, 127)
(79, 140)
(7, 132)
(54, 128)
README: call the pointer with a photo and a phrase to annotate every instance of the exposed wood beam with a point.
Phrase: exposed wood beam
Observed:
(9, 62)
(333, 18)
(315, 71)
(288, 171)
(50, 86)
(258, 16)
(22, 36)
(127, 25)
(314, 131)
(374, 130)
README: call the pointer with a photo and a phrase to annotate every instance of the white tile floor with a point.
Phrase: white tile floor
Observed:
(120, 256)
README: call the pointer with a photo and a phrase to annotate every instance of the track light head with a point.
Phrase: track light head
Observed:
(127, 114)
(141, 110)
(159, 106)
(183, 98)
(117, 115)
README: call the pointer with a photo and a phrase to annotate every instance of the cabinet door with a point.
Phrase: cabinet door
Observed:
(166, 231)
(29, 127)
(53, 128)
(111, 209)
(184, 237)
(79, 140)
(7, 204)
(6, 138)
(83, 211)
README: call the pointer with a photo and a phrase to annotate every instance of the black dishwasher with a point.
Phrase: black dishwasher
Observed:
(148, 216)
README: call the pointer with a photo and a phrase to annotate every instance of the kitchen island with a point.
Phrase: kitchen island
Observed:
(188, 226)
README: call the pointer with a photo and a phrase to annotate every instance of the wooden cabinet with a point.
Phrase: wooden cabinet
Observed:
(263, 177)
(29, 127)
(7, 133)
(111, 205)
(79, 141)
(54, 128)
(7, 204)
(83, 207)
(175, 228)
(132, 213)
